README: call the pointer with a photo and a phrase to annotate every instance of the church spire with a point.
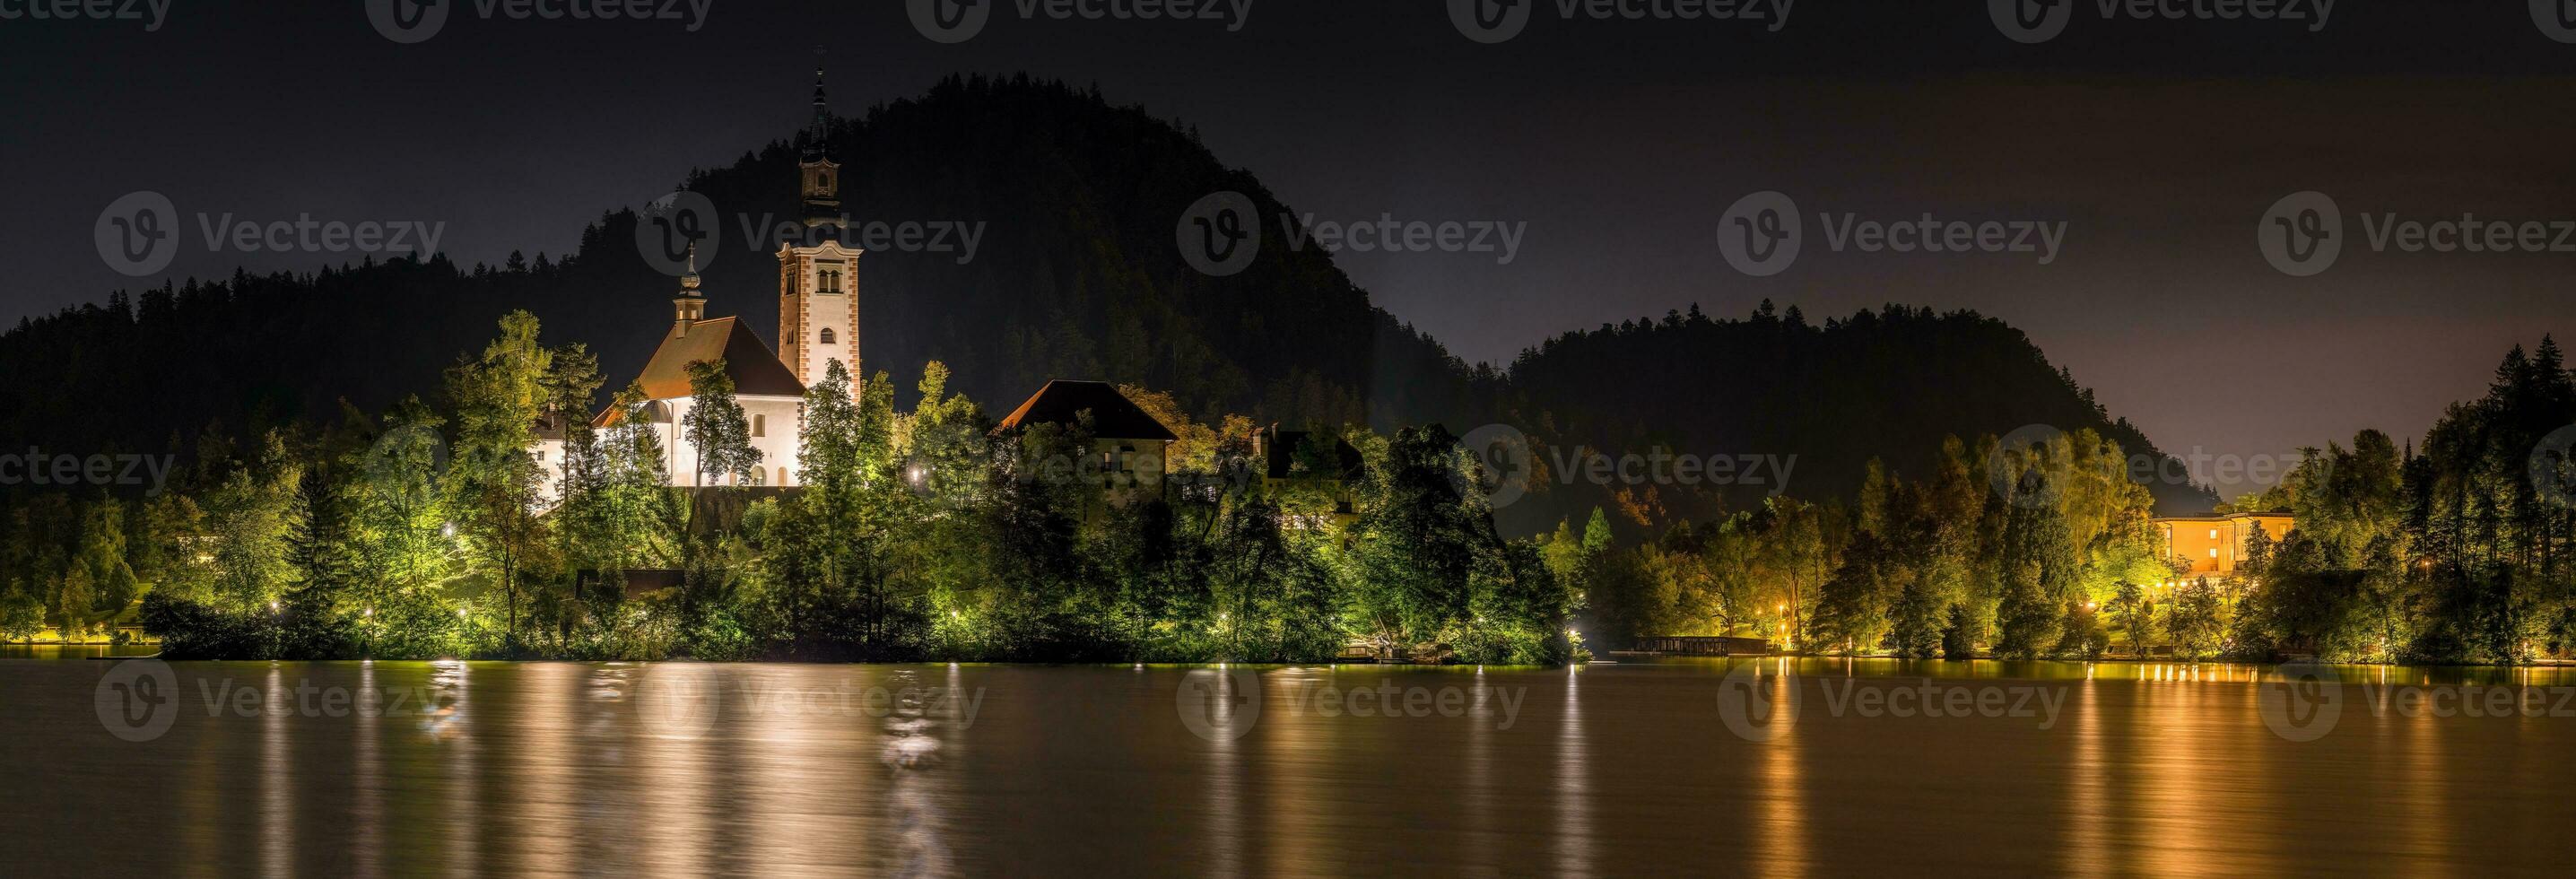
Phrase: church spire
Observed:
(821, 174)
(819, 131)
(690, 306)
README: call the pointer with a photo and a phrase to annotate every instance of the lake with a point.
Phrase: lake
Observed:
(1677, 767)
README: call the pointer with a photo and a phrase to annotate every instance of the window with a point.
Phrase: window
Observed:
(827, 281)
(782, 476)
(827, 336)
(755, 476)
(2213, 533)
(2213, 552)
(760, 425)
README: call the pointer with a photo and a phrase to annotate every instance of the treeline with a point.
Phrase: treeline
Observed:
(2461, 552)
(2455, 552)
(2017, 551)
(428, 531)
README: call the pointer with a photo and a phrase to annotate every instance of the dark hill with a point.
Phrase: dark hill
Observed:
(1076, 276)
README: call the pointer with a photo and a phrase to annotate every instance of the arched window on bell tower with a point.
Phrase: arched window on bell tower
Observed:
(827, 337)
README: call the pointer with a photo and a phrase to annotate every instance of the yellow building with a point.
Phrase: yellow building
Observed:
(2215, 545)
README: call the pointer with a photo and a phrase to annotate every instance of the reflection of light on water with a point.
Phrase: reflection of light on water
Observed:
(1573, 786)
(369, 772)
(676, 776)
(908, 755)
(276, 781)
(546, 826)
(2089, 831)
(1225, 787)
(444, 720)
(1781, 800)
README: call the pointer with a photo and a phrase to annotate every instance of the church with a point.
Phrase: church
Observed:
(818, 319)
(818, 323)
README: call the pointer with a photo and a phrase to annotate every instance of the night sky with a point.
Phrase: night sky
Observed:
(2161, 144)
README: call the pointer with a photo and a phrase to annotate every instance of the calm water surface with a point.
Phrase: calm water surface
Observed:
(1612, 770)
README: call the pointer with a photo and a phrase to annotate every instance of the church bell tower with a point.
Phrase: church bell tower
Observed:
(818, 276)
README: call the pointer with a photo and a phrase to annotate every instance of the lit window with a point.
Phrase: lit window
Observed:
(2213, 552)
(756, 476)
(827, 336)
(2213, 533)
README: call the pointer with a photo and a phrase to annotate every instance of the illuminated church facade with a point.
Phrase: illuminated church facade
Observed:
(818, 323)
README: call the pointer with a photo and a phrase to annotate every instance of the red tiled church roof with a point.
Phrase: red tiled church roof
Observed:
(1113, 416)
(755, 369)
